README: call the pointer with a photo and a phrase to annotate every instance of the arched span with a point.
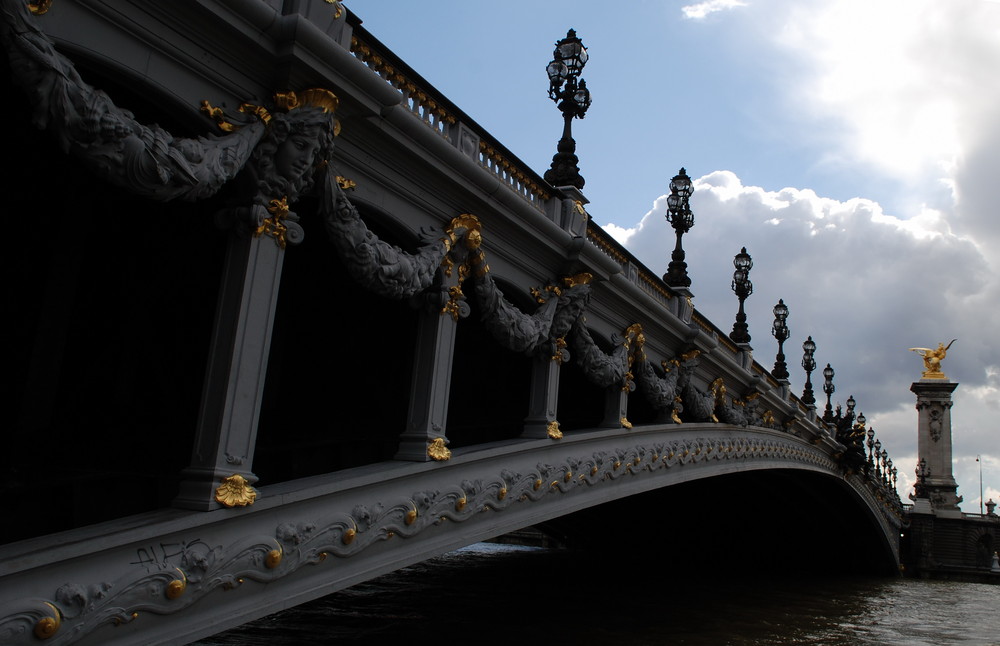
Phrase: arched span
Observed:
(769, 521)
(309, 537)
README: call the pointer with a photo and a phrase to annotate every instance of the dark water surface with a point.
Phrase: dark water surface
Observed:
(491, 594)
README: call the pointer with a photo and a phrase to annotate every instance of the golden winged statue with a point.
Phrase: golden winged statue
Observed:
(932, 360)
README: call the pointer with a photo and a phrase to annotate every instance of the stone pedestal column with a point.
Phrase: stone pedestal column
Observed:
(934, 443)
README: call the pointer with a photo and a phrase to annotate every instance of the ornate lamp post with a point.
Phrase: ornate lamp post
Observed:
(871, 447)
(829, 389)
(681, 218)
(780, 332)
(809, 364)
(743, 288)
(920, 488)
(572, 97)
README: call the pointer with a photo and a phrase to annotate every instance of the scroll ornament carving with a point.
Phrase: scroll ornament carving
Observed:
(188, 578)
(145, 160)
(78, 609)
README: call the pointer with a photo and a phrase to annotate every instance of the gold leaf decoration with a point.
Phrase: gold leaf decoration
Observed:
(235, 491)
(437, 450)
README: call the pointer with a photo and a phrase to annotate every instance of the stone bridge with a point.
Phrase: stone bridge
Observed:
(247, 381)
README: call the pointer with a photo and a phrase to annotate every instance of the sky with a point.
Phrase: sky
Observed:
(852, 146)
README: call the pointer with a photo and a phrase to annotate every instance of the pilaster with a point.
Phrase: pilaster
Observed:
(543, 401)
(429, 396)
(234, 382)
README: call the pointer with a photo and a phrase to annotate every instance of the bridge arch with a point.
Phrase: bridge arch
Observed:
(763, 521)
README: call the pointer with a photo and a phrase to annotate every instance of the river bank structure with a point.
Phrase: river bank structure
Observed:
(941, 541)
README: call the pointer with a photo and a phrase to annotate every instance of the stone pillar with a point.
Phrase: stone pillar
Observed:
(615, 407)
(424, 437)
(543, 402)
(234, 383)
(934, 443)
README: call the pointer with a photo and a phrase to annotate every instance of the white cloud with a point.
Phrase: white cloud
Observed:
(703, 9)
(864, 284)
(904, 88)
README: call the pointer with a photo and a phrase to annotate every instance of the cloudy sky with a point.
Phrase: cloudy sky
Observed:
(853, 147)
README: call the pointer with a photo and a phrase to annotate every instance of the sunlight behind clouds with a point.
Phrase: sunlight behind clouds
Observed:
(907, 79)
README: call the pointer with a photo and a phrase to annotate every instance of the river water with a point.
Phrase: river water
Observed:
(491, 594)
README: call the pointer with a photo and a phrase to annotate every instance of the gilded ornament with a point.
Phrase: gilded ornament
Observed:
(568, 476)
(274, 225)
(465, 221)
(502, 493)
(218, 116)
(625, 423)
(39, 8)
(553, 430)
(312, 98)
(578, 279)
(454, 298)
(48, 626)
(235, 491)
(460, 503)
(687, 356)
(593, 471)
(437, 450)
(560, 346)
(932, 360)
(411, 517)
(538, 484)
(273, 559)
(618, 465)
(348, 536)
(345, 184)
(258, 111)
(473, 240)
(337, 9)
(176, 587)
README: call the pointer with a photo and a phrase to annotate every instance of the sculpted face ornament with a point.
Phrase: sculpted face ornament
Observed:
(298, 140)
(299, 137)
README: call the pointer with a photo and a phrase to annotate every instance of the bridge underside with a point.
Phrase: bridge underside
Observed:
(774, 522)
